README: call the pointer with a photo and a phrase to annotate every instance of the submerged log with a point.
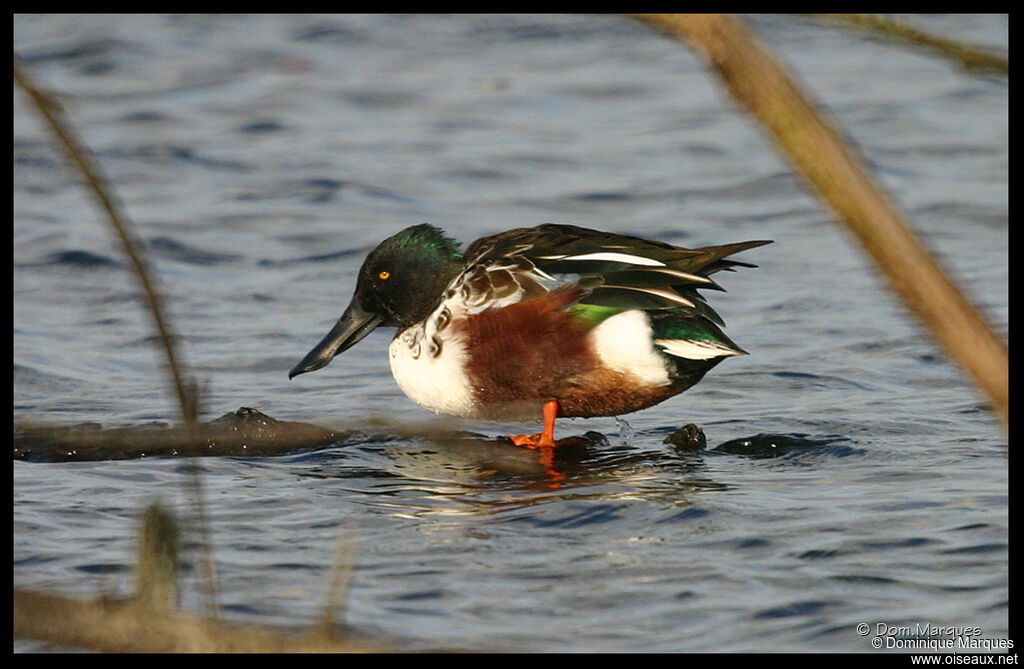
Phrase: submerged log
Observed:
(246, 432)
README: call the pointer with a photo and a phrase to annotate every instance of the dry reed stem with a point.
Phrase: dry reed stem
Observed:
(50, 111)
(966, 55)
(759, 84)
(150, 622)
(126, 625)
(99, 185)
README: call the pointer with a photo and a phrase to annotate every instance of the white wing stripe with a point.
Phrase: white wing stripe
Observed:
(686, 276)
(696, 350)
(612, 257)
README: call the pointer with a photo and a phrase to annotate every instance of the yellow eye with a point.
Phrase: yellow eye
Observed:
(384, 276)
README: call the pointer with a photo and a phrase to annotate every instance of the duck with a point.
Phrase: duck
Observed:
(538, 323)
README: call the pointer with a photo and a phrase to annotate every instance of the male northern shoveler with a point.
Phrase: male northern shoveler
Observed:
(550, 321)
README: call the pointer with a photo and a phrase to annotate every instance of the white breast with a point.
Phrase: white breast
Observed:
(438, 382)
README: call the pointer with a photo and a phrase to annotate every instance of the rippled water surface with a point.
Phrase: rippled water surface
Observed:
(852, 474)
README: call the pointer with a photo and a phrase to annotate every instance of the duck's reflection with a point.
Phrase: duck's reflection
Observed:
(465, 474)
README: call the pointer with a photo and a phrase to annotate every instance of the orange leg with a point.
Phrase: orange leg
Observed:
(545, 443)
(546, 439)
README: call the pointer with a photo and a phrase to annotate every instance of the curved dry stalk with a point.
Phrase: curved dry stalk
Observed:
(129, 626)
(50, 110)
(966, 55)
(188, 396)
(758, 83)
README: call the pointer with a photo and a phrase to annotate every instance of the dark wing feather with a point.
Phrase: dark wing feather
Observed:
(634, 273)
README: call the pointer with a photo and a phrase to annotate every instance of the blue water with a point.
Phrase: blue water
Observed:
(852, 475)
